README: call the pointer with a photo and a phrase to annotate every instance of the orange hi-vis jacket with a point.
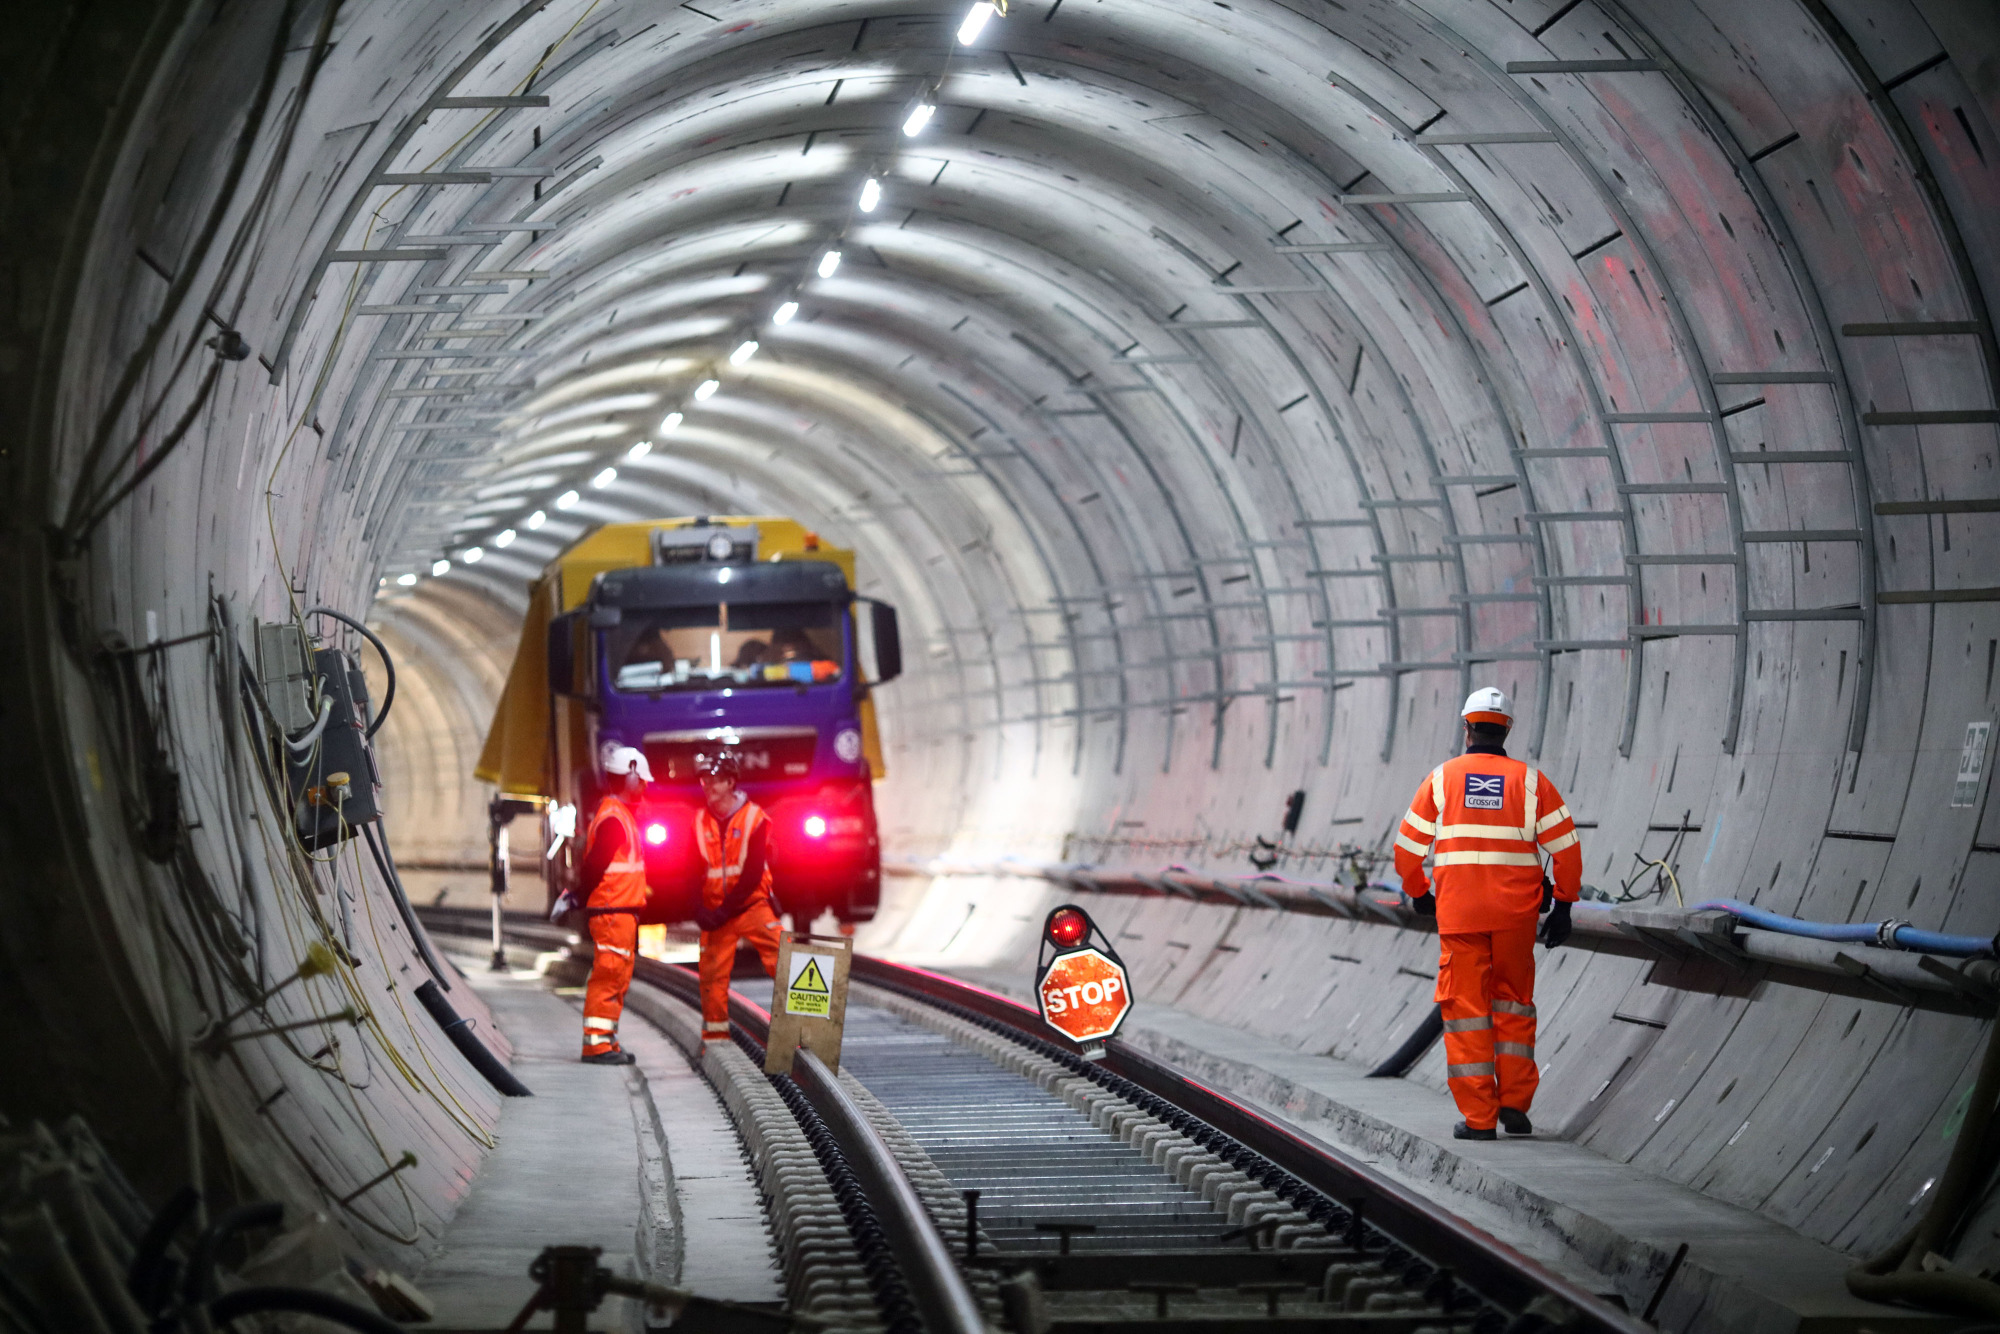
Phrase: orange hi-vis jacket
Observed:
(624, 883)
(1486, 815)
(725, 846)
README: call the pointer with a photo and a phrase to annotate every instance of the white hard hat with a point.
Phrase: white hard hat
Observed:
(618, 759)
(1488, 705)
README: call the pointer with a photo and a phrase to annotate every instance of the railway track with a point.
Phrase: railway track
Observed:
(1118, 1196)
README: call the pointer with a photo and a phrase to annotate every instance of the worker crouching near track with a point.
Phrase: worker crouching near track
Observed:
(613, 884)
(1485, 815)
(736, 901)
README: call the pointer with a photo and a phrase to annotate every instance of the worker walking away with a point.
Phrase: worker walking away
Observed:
(613, 890)
(1485, 816)
(736, 901)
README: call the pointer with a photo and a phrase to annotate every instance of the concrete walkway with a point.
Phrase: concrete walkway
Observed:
(726, 1249)
(1607, 1225)
(566, 1171)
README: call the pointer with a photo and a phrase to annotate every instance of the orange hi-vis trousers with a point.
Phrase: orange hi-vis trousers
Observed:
(1486, 990)
(616, 936)
(756, 924)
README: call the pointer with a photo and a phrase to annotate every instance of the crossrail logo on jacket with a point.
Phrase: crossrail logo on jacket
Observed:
(1485, 792)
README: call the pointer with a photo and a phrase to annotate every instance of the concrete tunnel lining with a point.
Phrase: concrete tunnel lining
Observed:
(1180, 520)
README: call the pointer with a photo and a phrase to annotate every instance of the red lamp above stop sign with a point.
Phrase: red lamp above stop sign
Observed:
(1083, 992)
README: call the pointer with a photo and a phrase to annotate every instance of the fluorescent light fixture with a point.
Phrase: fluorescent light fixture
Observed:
(440, 567)
(567, 500)
(604, 479)
(505, 538)
(871, 194)
(670, 423)
(920, 116)
(473, 555)
(975, 22)
(744, 352)
(706, 390)
(829, 262)
(640, 450)
(783, 314)
(536, 520)
(407, 580)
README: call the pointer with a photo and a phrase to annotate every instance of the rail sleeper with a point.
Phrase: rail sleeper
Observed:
(1245, 1200)
(942, 1200)
(823, 1272)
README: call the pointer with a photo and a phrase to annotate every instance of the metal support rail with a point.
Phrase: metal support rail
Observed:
(1710, 940)
(938, 1289)
(935, 1286)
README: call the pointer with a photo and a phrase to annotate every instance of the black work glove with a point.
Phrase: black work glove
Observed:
(565, 905)
(1555, 930)
(709, 918)
(1425, 905)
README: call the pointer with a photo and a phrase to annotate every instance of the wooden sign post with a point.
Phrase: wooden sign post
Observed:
(808, 999)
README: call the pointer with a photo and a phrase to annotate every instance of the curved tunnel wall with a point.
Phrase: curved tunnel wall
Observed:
(1218, 390)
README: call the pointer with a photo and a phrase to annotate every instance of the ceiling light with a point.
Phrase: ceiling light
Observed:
(706, 390)
(505, 538)
(828, 263)
(975, 22)
(440, 567)
(670, 423)
(473, 555)
(871, 194)
(920, 116)
(783, 314)
(744, 352)
(407, 580)
(640, 450)
(603, 479)
(536, 520)
(567, 500)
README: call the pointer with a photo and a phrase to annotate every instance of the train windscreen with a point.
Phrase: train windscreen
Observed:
(726, 644)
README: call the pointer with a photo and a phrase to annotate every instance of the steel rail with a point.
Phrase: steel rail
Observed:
(1487, 1264)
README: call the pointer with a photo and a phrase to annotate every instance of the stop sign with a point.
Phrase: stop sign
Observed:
(1085, 995)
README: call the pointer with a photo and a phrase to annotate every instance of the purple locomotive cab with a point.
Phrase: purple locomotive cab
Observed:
(710, 648)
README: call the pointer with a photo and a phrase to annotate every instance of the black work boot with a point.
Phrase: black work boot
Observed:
(1515, 1121)
(616, 1056)
(1464, 1131)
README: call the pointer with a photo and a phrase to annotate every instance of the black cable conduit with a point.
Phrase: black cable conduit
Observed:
(1414, 1046)
(303, 1301)
(459, 1030)
(386, 864)
(388, 664)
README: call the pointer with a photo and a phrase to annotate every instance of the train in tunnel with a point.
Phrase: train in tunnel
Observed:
(680, 636)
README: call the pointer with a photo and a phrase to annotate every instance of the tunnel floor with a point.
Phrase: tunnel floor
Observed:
(582, 1162)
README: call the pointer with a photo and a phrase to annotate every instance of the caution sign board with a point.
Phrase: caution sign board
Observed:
(808, 991)
(1085, 995)
(808, 999)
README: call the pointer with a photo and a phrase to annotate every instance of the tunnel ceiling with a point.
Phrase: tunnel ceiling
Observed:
(1210, 383)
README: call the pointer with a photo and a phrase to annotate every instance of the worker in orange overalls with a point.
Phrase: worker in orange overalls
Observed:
(1485, 815)
(734, 835)
(613, 890)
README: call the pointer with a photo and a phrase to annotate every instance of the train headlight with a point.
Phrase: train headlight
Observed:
(815, 826)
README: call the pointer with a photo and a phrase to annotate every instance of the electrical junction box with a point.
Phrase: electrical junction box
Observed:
(334, 784)
(282, 674)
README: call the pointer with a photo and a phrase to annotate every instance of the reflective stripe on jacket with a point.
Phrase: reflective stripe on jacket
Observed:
(724, 847)
(624, 882)
(1483, 818)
